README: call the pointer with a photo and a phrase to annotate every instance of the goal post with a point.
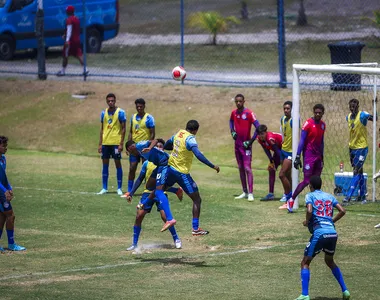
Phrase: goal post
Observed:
(313, 84)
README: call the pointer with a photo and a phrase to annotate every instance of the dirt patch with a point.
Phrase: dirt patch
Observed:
(52, 280)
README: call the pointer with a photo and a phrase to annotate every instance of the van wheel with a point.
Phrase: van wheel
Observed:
(7, 47)
(94, 41)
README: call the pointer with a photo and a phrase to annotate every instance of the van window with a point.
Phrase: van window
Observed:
(19, 4)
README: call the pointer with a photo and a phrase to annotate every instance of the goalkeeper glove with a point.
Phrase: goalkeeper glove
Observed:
(234, 135)
(297, 162)
(247, 144)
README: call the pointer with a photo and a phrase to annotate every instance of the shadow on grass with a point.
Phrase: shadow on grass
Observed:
(179, 261)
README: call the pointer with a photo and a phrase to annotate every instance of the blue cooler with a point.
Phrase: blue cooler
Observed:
(342, 182)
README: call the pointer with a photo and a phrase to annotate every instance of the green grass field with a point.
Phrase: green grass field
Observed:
(76, 240)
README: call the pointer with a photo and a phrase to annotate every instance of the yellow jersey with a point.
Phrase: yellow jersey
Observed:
(358, 132)
(111, 128)
(150, 167)
(286, 129)
(139, 130)
(180, 158)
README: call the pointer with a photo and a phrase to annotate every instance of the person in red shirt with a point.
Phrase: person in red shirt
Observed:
(72, 46)
(270, 141)
(241, 121)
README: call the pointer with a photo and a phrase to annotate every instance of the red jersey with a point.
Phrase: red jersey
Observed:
(242, 123)
(75, 33)
(313, 143)
(272, 138)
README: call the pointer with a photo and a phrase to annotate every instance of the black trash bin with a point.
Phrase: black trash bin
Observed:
(346, 53)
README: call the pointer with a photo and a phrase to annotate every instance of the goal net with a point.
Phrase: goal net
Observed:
(334, 86)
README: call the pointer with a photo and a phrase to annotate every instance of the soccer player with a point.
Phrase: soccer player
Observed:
(149, 152)
(72, 44)
(184, 147)
(358, 147)
(320, 221)
(111, 141)
(145, 205)
(311, 145)
(270, 141)
(142, 129)
(241, 121)
(7, 215)
(286, 150)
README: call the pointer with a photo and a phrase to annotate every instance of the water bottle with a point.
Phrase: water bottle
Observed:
(341, 166)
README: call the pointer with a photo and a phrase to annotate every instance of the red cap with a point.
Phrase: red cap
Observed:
(70, 9)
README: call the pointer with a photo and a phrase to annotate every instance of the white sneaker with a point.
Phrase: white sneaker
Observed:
(178, 244)
(242, 196)
(283, 199)
(119, 192)
(250, 197)
(131, 248)
(102, 192)
(377, 226)
(377, 175)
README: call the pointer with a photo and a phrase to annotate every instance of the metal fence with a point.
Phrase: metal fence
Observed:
(256, 47)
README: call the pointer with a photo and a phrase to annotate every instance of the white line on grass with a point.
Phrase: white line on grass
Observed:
(139, 262)
(367, 215)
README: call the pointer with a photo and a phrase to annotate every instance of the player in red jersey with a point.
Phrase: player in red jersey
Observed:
(312, 147)
(72, 46)
(241, 121)
(270, 141)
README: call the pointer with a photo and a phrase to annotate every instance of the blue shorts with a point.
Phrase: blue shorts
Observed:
(134, 158)
(184, 180)
(321, 241)
(161, 173)
(148, 203)
(4, 204)
(357, 157)
(109, 151)
(286, 155)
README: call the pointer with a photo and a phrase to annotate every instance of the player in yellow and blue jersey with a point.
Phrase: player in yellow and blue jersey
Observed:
(358, 147)
(286, 126)
(111, 141)
(142, 129)
(146, 204)
(184, 147)
(320, 221)
(7, 215)
(160, 158)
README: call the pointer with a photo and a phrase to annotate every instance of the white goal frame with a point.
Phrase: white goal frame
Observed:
(360, 68)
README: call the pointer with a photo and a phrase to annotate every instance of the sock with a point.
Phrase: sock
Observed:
(362, 187)
(305, 278)
(10, 234)
(353, 185)
(105, 177)
(288, 196)
(195, 223)
(164, 204)
(130, 185)
(119, 176)
(1, 232)
(250, 180)
(339, 277)
(136, 234)
(173, 190)
(243, 179)
(63, 70)
(272, 179)
(174, 233)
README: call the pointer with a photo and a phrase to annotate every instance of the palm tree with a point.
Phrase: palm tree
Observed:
(211, 21)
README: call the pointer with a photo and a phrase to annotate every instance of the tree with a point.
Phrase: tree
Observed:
(376, 20)
(302, 19)
(211, 21)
